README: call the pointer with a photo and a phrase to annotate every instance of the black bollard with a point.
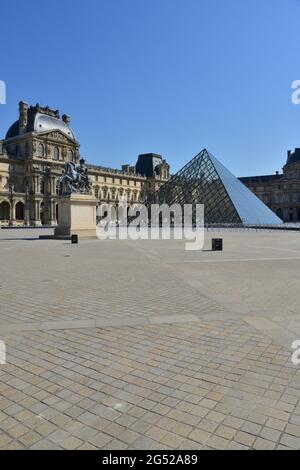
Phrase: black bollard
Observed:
(217, 244)
(74, 238)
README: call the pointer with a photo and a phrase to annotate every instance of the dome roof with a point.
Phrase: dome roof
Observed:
(41, 120)
(13, 131)
(44, 123)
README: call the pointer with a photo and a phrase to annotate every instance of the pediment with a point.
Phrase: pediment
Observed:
(57, 136)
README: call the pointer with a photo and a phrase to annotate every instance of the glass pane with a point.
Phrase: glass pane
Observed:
(204, 180)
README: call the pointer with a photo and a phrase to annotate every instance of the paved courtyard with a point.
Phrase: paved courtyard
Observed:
(143, 345)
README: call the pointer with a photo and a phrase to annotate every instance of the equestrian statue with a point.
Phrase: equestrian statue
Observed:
(74, 179)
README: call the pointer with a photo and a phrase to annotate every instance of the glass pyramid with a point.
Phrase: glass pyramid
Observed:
(204, 180)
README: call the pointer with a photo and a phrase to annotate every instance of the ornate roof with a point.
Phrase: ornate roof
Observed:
(38, 119)
(147, 164)
(293, 157)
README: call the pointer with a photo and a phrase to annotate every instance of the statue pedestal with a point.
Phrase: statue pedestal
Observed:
(76, 216)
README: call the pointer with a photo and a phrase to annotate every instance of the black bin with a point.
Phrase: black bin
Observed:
(217, 244)
(74, 238)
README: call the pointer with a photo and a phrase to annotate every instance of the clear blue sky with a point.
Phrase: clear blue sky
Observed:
(165, 76)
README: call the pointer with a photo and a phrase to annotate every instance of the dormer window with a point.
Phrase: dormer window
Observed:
(69, 155)
(41, 150)
(56, 153)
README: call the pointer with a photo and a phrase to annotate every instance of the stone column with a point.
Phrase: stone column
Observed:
(36, 183)
(52, 213)
(37, 215)
(53, 221)
(53, 185)
(12, 220)
(27, 213)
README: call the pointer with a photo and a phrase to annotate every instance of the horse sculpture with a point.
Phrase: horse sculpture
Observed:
(74, 179)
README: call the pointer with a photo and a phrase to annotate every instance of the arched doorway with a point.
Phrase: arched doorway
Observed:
(42, 213)
(20, 210)
(4, 211)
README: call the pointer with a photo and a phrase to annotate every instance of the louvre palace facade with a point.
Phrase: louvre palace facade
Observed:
(33, 155)
(280, 191)
(37, 146)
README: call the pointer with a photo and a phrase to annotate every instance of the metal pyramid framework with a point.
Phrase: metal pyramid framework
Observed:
(204, 180)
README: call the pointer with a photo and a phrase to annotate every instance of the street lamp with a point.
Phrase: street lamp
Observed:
(11, 187)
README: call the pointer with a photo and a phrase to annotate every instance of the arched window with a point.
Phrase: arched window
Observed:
(97, 191)
(41, 150)
(69, 155)
(20, 211)
(56, 153)
(4, 211)
(42, 185)
(42, 213)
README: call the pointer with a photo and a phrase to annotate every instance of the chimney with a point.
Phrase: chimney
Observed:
(67, 119)
(23, 117)
(289, 153)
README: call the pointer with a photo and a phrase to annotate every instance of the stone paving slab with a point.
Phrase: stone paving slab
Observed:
(79, 324)
(79, 284)
(214, 384)
(142, 345)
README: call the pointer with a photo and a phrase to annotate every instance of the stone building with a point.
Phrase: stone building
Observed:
(280, 191)
(33, 155)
